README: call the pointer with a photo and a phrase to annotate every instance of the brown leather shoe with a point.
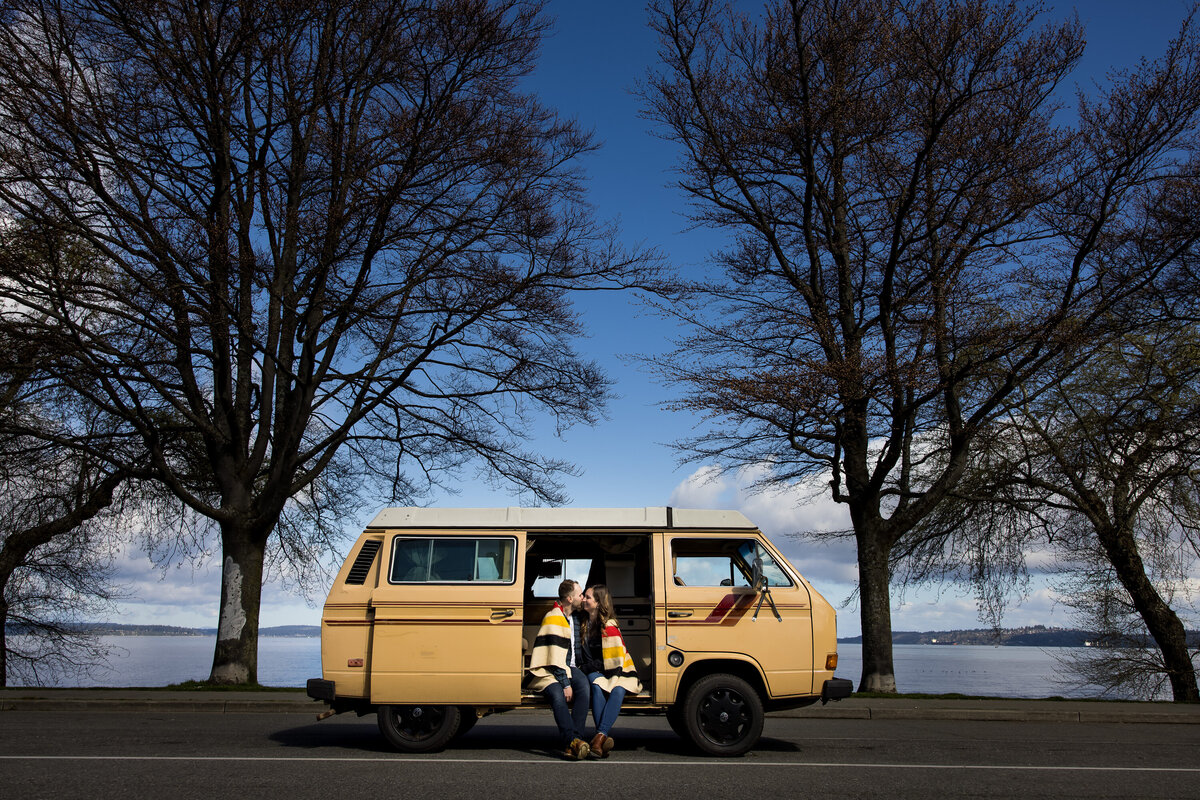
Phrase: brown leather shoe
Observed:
(601, 745)
(577, 750)
(597, 746)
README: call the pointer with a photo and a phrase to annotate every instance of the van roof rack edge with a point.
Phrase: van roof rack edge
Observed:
(650, 517)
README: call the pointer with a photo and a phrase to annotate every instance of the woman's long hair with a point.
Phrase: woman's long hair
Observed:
(604, 608)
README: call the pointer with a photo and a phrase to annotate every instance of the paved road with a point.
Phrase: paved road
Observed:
(182, 755)
(856, 707)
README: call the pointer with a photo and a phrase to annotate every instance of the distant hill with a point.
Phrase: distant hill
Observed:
(290, 630)
(1033, 636)
(115, 629)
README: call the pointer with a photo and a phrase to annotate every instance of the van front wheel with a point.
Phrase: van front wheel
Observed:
(723, 715)
(676, 718)
(467, 720)
(418, 729)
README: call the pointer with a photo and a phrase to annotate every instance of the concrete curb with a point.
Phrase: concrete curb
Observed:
(166, 705)
(166, 702)
(1002, 711)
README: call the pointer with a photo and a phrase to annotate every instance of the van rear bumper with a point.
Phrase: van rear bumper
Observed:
(320, 689)
(833, 689)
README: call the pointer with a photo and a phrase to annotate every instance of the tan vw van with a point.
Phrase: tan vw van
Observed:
(431, 619)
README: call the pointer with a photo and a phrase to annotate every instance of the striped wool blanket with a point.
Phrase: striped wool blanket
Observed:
(619, 669)
(550, 648)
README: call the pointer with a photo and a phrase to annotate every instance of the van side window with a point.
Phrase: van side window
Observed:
(721, 562)
(452, 560)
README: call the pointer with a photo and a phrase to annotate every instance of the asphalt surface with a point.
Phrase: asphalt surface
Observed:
(857, 708)
(291, 756)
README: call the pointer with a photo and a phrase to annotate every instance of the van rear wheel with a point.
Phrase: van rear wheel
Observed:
(723, 715)
(418, 729)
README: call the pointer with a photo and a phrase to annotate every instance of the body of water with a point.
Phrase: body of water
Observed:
(153, 661)
(290, 661)
(982, 670)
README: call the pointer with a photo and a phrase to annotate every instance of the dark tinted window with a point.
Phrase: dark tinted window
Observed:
(452, 560)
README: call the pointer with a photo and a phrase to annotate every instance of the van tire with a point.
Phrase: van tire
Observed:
(677, 719)
(467, 720)
(419, 728)
(723, 715)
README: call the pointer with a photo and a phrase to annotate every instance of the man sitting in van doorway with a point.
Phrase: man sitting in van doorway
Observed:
(554, 666)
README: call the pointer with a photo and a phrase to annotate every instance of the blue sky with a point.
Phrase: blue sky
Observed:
(589, 68)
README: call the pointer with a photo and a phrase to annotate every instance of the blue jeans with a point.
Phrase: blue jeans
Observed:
(571, 724)
(605, 709)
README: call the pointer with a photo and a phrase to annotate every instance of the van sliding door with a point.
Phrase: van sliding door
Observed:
(448, 619)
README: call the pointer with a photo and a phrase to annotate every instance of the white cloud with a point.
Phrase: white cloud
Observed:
(174, 595)
(1040, 560)
(783, 514)
(704, 488)
(184, 596)
(931, 609)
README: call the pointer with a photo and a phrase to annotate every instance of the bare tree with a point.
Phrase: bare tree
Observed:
(335, 228)
(57, 540)
(1125, 660)
(1101, 468)
(57, 515)
(914, 238)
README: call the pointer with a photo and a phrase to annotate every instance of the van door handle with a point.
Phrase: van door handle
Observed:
(678, 614)
(503, 613)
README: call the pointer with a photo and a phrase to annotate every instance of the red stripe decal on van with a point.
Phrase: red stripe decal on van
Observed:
(731, 608)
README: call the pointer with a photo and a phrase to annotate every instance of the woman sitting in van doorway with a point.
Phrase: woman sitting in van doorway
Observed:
(609, 667)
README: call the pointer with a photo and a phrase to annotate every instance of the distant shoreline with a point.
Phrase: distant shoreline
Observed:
(116, 629)
(1033, 636)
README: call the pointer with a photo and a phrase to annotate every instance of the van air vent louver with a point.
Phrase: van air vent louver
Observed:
(362, 564)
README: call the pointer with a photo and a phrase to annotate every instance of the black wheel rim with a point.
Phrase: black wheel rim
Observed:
(416, 723)
(724, 717)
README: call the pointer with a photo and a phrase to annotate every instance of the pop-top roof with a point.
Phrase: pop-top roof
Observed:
(560, 518)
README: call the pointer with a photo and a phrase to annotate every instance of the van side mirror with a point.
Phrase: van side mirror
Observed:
(761, 585)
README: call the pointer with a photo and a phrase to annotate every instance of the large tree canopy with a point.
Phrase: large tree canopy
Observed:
(334, 230)
(913, 237)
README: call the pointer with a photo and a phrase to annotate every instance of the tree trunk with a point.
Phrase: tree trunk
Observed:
(235, 660)
(3, 644)
(874, 579)
(1163, 623)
